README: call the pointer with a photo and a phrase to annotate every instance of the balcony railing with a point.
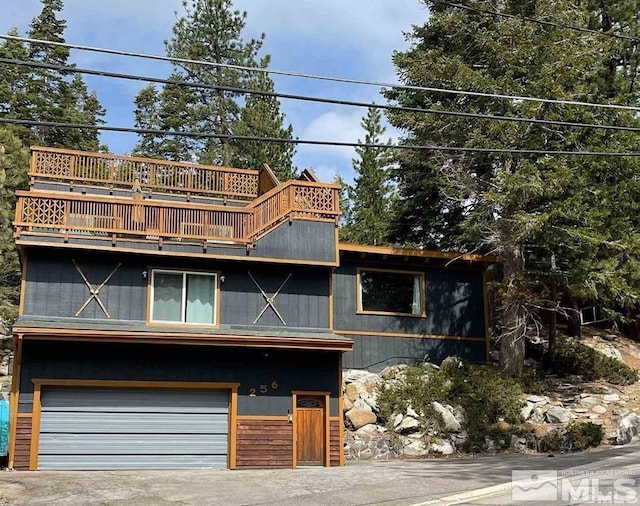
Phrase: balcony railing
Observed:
(72, 214)
(115, 171)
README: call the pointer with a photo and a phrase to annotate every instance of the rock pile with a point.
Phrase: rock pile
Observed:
(412, 434)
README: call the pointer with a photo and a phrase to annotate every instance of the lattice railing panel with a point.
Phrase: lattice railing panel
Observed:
(140, 218)
(241, 183)
(160, 175)
(39, 211)
(315, 198)
(54, 164)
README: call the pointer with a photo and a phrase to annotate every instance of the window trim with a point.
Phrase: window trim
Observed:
(423, 295)
(216, 293)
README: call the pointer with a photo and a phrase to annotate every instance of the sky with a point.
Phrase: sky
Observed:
(343, 38)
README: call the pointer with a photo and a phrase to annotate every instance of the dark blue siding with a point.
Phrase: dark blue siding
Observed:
(299, 239)
(374, 353)
(55, 288)
(292, 370)
(454, 302)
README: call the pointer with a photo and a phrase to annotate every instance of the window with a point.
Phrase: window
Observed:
(183, 297)
(391, 292)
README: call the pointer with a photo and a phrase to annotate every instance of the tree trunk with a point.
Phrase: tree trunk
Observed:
(512, 341)
(573, 327)
(553, 321)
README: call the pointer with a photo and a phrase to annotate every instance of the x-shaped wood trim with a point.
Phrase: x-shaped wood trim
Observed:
(269, 300)
(95, 292)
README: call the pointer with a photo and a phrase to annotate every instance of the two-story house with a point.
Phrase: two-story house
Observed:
(175, 315)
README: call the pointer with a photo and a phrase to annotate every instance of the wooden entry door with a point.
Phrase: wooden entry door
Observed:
(310, 419)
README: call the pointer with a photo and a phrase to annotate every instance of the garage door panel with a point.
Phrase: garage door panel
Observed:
(110, 462)
(133, 423)
(133, 428)
(132, 444)
(138, 399)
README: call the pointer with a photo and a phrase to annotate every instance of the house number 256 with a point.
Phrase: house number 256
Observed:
(263, 389)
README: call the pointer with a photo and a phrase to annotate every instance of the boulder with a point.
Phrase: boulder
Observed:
(414, 447)
(526, 411)
(371, 429)
(346, 403)
(448, 419)
(611, 397)
(412, 412)
(518, 444)
(393, 371)
(537, 415)
(588, 401)
(408, 425)
(351, 392)
(600, 410)
(397, 418)
(459, 438)
(357, 376)
(628, 429)
(360, 417)
(538, 399)
(372, 402)
(611, 352)
(361, 404)
(443, 447)
(558, 414)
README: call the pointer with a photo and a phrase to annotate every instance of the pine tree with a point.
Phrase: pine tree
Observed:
(568, 206)
(211, 30)
(55, 95)
(261, 117)
(370, 196)
(14, 158)
(15, 85)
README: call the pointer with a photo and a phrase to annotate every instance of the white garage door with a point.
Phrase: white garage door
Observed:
(133, 428)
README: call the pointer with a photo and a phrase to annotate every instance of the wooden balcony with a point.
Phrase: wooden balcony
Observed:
(85, 215)
(113, 171)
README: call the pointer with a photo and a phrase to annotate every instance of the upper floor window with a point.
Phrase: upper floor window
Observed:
(391, 292)
(183, 297)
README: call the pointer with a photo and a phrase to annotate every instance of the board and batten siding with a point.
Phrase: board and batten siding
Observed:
(273, 373)
(454, 300)
(55, 288)
(374, 353)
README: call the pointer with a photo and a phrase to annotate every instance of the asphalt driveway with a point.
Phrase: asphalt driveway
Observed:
(390, 483)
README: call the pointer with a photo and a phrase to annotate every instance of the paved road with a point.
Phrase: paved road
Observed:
(469, 480)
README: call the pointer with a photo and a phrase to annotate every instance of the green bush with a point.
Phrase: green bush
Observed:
(551, 442)
(572, 357)
(583, 435)
(485, 394)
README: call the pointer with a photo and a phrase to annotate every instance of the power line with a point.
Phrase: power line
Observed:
(248, 138)
(307, 98)
(377, 84)
(534, 20)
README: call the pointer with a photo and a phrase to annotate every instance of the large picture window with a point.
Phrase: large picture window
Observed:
(391, 292)
(183, 297)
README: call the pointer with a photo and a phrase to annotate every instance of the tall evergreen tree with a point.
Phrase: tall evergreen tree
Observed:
(370, 196)
(47, 94)
(569, 206)
(211, 30)
(14, 159)
(15, 85)
(261, 117)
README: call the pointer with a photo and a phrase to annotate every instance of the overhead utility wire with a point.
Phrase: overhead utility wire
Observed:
(316, 76)
(307, 98)
(55, 124)
(535, 20)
